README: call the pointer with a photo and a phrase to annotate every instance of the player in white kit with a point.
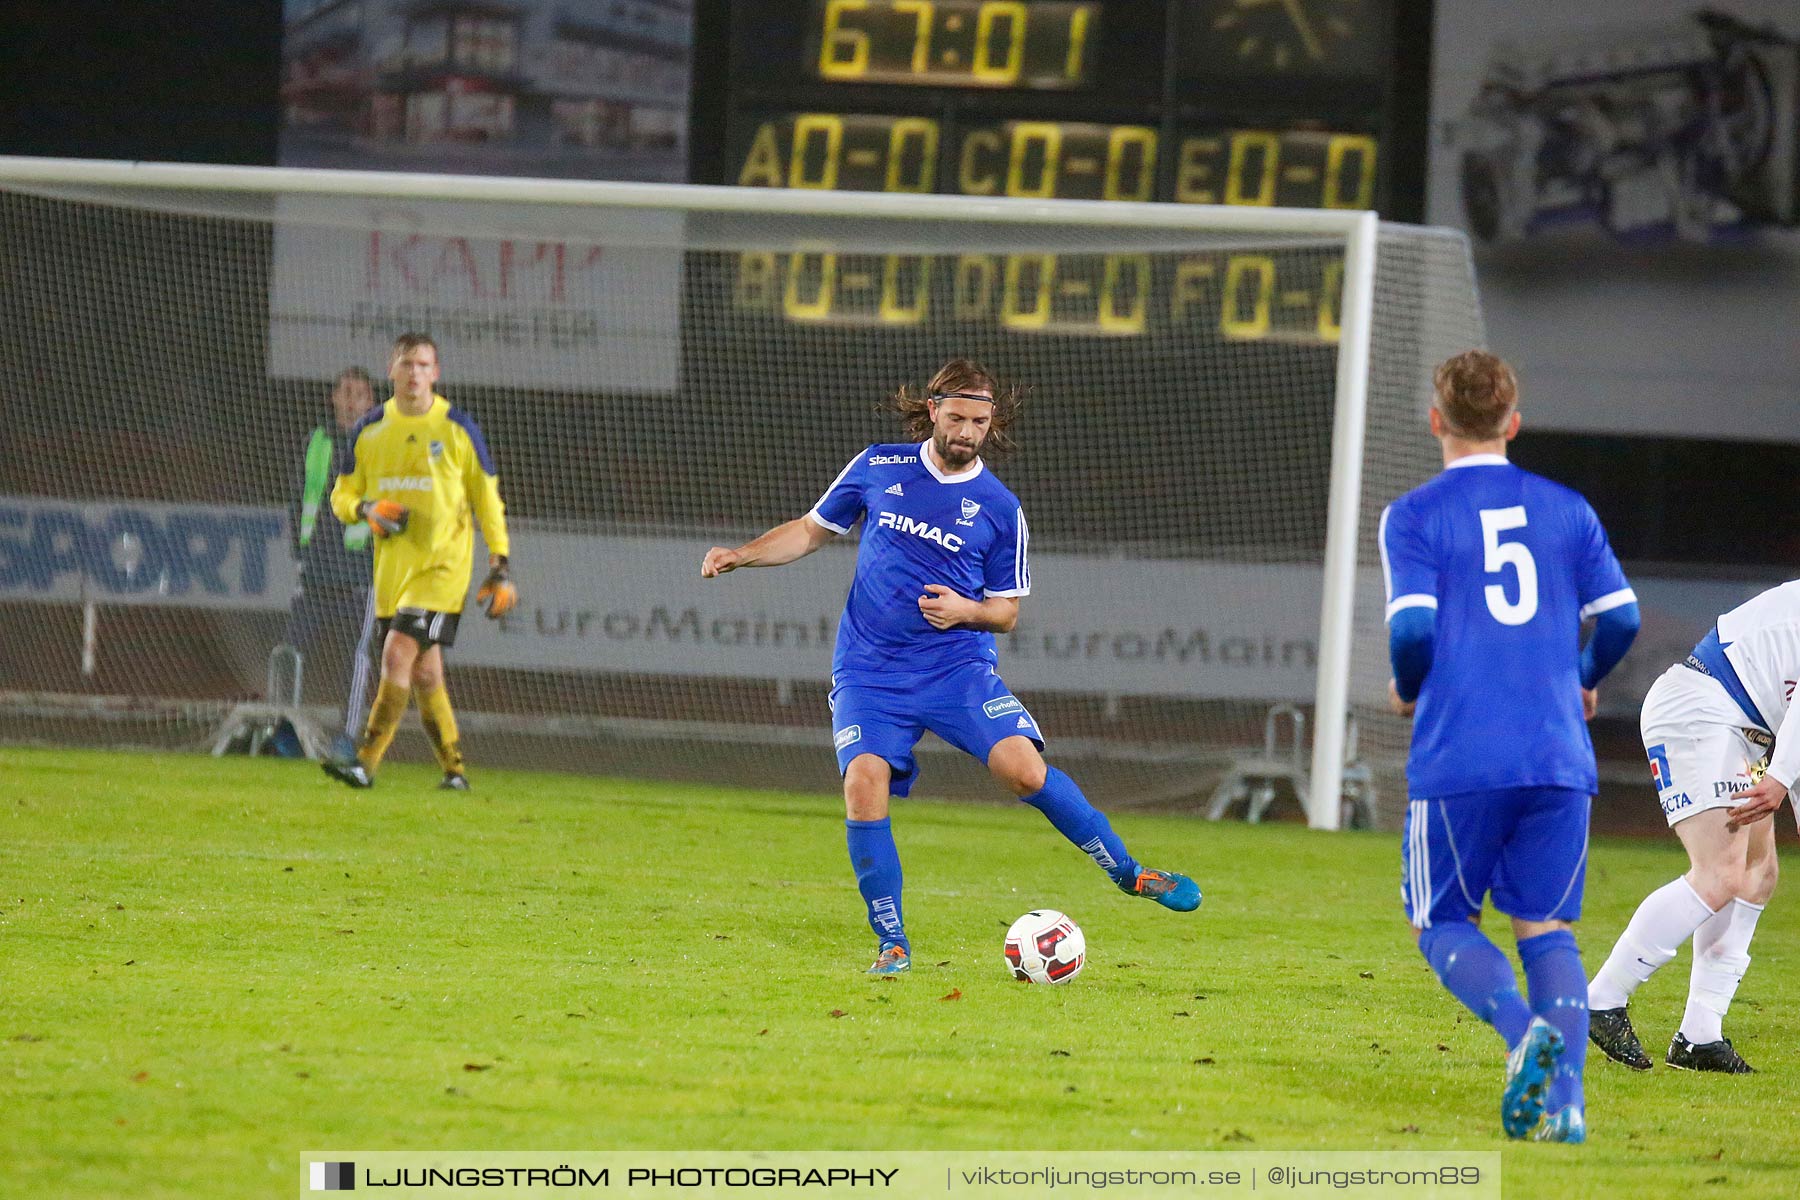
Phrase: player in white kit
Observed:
(1708, 724)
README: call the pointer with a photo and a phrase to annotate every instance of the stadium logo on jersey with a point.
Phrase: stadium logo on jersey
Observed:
(970, 508)
(888, 460)
(1001, 706)
(436, 450)
(1659, 767)
(920, 529)
(896, 490)
(404, 483)
(847, 736)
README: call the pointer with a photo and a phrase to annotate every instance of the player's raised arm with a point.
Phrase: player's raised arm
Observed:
(783, 544)
(838, 509)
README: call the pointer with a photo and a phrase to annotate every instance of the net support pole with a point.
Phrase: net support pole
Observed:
(1331, 707)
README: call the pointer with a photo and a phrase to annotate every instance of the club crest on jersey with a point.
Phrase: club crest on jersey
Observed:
(436, 450)
(920, 529)
(1002, 705)
(970, 508)
(1659, 767)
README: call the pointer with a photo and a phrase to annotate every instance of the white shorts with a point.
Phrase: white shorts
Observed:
(1703, 749)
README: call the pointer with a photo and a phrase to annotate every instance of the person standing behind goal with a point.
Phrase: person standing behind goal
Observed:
(331, 610)
(1490, 571)
(418, 470)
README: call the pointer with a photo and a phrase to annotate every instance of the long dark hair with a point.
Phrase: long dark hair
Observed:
(961, 375)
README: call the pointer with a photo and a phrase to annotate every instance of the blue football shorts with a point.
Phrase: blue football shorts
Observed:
(968, 705)
(1527, 846)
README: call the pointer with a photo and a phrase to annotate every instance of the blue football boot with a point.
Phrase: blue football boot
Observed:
(1564, 1125)
(1528, 1071)
(1167, 888)
(893, 960)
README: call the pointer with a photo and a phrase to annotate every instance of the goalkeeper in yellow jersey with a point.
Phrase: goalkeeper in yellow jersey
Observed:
(417, 471)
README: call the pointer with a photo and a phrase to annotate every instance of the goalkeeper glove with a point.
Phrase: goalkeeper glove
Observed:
(385, 517)
(497, 595)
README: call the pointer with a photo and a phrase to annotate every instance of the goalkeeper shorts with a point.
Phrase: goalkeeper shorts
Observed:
(423, 626)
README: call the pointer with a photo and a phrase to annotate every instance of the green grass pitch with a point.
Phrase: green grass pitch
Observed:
(208, 966)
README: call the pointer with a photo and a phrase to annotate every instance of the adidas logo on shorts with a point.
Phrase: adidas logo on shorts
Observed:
(896, 491)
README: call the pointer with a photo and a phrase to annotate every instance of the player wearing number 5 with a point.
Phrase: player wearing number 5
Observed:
(1490, 572)
(418, 470)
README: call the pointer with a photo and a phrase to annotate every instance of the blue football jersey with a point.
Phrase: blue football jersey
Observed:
(921, 526)
(1513, 563)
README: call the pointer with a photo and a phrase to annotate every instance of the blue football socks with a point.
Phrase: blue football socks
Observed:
(1478, 974)
(1069, 811)
(876, 861)
(1559, 995)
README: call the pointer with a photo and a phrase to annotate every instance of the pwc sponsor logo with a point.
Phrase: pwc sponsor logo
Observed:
(920, 529)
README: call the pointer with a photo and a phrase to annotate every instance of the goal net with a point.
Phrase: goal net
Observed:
(661, 369)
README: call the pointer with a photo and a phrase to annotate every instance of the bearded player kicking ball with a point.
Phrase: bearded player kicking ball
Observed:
(941, 569)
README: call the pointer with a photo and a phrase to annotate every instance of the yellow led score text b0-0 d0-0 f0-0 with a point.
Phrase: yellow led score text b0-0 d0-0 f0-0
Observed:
(1289, 295)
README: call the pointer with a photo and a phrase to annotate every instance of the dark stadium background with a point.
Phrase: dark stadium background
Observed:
(196, 81)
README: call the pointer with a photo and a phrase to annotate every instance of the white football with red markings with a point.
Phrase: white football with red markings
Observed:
(1044, 946)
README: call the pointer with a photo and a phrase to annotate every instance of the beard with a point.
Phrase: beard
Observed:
(955, 454)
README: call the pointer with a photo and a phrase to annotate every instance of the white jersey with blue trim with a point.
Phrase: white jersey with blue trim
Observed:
(921, 525)
(1512, 563)
(1761, 639)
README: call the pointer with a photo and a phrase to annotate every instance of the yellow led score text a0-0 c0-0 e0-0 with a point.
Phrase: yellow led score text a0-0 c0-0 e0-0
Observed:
(1063, 160)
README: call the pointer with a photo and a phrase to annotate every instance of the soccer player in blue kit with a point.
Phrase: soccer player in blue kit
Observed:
(941, 569)
(1490, 572)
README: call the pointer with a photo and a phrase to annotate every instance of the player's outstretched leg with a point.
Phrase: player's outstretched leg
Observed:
(876, 861)
(1062, 802)
(1559, 996)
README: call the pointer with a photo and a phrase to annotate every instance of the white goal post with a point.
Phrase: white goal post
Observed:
(789, 270)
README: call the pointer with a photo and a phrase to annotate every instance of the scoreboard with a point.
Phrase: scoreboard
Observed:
(1308, 103)
(1301, 103)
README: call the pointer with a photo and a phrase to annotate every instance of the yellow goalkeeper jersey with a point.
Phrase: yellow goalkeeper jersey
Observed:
(437, 465)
